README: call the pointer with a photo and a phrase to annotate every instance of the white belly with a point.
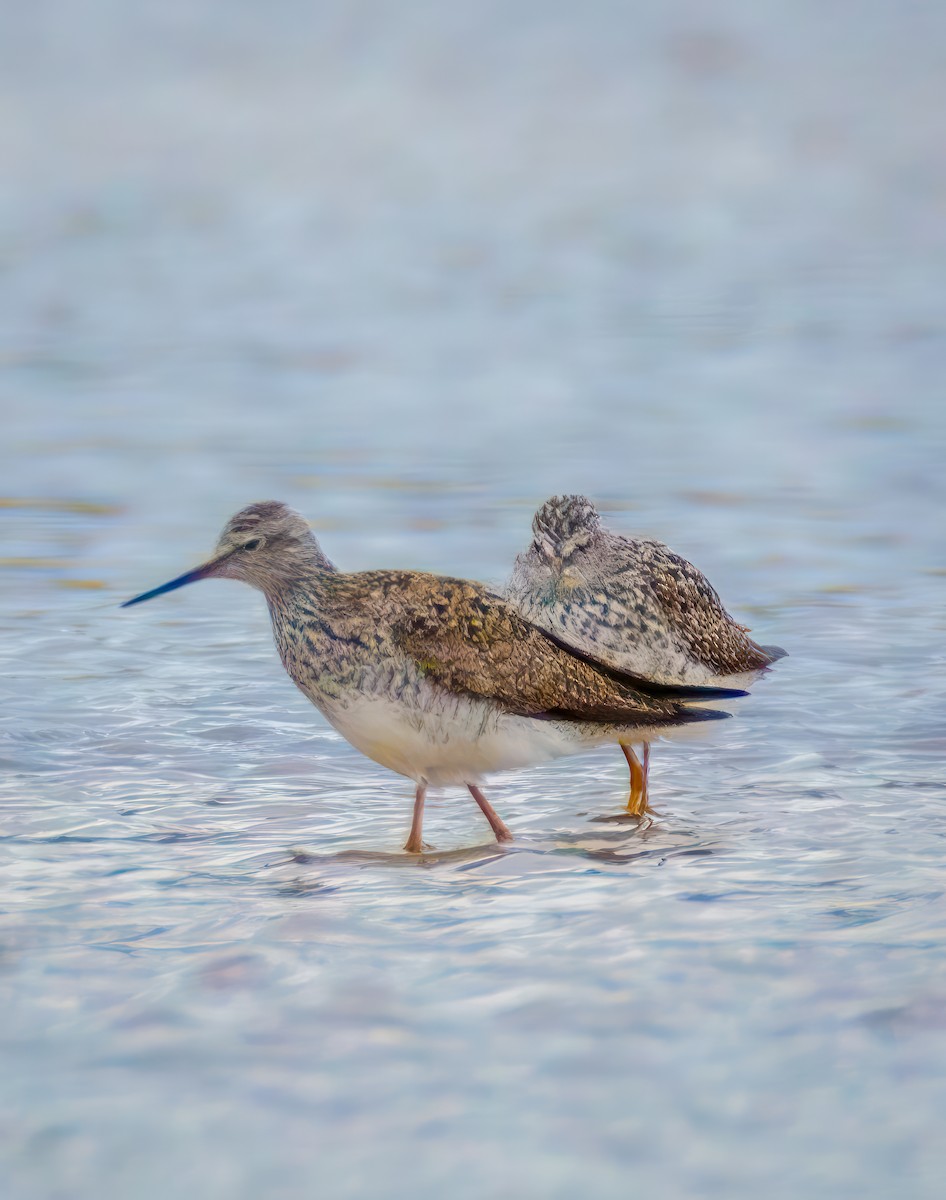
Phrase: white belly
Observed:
(457, 741)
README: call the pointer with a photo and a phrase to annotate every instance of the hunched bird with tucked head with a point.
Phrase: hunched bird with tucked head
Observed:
(438, 679)
(631, 604)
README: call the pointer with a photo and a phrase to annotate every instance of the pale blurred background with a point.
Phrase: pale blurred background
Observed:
(412, 268)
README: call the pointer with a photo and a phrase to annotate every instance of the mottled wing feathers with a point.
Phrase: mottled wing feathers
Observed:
(469, 640)
(680, 587)
(650, 687)
(694, 609)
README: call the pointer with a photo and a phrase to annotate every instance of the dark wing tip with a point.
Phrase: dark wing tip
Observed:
(605, 715)
(702, 714)
(684, 691)
(774, 653)
(650, 687)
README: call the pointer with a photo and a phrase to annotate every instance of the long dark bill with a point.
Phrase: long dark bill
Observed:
(190, 577)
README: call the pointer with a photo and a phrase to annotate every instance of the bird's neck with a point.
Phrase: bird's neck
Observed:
(287, 585)
(301, 630)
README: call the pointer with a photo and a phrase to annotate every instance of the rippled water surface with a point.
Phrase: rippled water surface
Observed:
(412, 273)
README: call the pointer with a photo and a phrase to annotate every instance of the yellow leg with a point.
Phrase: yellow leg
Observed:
(637, 804)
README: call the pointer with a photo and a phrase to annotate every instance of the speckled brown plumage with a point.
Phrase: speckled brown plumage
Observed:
(629, 602)
(339, 631)
(436, 678)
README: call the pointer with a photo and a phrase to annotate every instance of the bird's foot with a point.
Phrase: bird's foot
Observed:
(413, 847)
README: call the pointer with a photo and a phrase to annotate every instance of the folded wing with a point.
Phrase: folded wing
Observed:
(466, 638)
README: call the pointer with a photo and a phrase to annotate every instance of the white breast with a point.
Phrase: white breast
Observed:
(457, 741)
(431, 735)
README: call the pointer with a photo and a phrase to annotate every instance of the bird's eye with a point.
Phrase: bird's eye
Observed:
(253, 544)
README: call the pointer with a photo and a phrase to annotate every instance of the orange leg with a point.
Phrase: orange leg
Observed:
(496, 823)
(415, 841)
(637, 804)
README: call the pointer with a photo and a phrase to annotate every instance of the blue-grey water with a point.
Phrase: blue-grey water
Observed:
(412, 268)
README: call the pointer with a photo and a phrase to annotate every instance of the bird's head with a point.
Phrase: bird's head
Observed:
(564, 530)
(267, 545)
